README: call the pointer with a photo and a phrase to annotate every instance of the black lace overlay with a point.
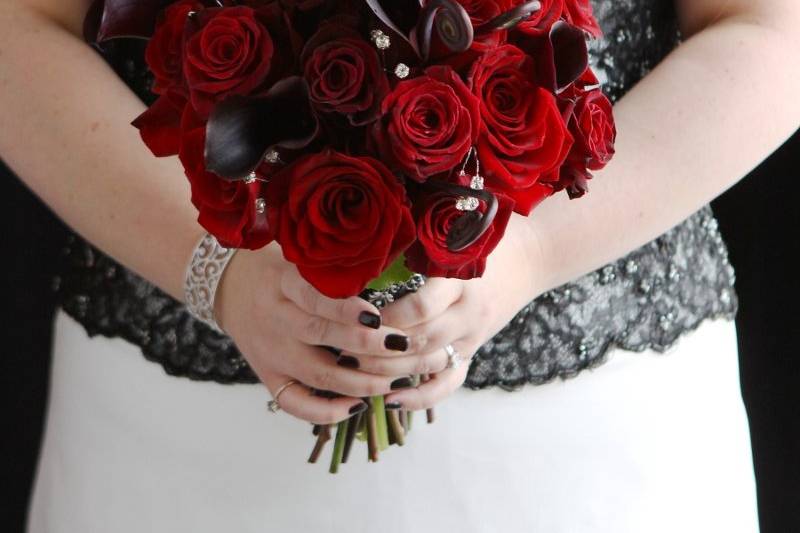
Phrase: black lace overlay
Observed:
(645, 300)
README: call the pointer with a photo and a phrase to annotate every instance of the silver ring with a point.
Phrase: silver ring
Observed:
(453, 357)
(273, 404)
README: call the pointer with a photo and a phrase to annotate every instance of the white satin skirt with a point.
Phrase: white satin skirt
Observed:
(645, 443)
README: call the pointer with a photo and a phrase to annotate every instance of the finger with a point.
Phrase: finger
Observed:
(351, 311)
(430, 301)
(298, 401)
(431, 392)
(318, 331)
(453, 324)
(403, 365)
(317, 368)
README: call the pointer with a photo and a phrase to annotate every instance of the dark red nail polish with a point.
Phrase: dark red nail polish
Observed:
(371, 320)
(358, 408)
(401, 383)
(398, 343)
(347, 361)
(392, 406)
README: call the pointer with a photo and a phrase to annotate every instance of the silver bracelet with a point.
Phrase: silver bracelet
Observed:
(203, 276)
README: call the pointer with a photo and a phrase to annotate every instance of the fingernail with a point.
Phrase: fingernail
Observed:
(401, 383)
(347, 361)
(396, 342)
(358, 408)
(371, 320)
(393, 405)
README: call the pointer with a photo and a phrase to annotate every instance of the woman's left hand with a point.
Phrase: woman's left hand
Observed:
(464, 314)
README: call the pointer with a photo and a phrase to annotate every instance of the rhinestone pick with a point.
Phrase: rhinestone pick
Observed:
(401, 70)
(467, 203)
(381, 40)
(261, 205)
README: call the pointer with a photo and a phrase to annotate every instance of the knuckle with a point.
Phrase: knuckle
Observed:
(323, 378)
(308, 297)
(423, 365)
(315, 329)
(421, 306)
(362, 339)
(374, 387)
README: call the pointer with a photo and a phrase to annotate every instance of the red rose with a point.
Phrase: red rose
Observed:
(435, 214)
(591, 122)
(541, 21)
(342, 220)
(160, 125)
(227, 209)
(429, 123)
(579, 13)
(523, 139)
(164, 53)
(229, 53)
(344, 74)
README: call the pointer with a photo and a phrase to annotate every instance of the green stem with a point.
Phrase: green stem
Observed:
(338, 446)
(380, 422)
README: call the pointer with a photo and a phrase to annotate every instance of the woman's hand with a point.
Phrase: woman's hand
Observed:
(280, 323)
(462, 313)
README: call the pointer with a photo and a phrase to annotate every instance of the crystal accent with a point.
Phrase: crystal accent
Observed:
(261, 205)
(402, 71)
(251, 178)
(467, 203)
(477, 182)
(381, 40)
(272, 157)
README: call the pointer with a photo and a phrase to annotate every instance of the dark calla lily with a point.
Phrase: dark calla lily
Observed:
(242, 129)
(472, 224)
(112, 19)
(570, 55)
(509, 19)
(452, 23)
(414, 23)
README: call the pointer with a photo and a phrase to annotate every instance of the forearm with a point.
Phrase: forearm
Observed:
(67, 134)
(714, 109)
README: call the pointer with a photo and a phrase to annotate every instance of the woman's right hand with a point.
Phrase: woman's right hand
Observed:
(280, 322)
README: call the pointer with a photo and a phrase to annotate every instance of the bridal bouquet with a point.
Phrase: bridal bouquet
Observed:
(369, 138)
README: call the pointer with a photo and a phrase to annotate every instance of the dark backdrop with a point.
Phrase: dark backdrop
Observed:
(759, 219)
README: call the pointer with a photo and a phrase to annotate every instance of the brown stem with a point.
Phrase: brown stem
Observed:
(428, 412)
(323, 437)
(351, 435)
(404, 420)
(372, 433)
(395, 427)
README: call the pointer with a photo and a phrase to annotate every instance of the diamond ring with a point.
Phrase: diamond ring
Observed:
(273, 404)
(453, 357)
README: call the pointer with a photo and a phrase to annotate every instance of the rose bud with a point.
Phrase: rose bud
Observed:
(436, 214)
(344, 74)
(579, 13)
(230, 52)
(342, 220)
(428, 124)
(523, 139)
(229, 210)
(164, 53)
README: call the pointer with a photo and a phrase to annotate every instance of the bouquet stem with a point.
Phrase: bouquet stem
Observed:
(323, 436)
(372, 433)
(338, 446)
(352, 429)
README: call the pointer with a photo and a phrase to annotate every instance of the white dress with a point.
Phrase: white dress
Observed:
(645, 443)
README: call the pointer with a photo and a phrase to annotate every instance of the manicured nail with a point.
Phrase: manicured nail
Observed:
(401, 383)
(371, 320)
(396, 342)
(393, 405)
(358, 408)
(347, 361)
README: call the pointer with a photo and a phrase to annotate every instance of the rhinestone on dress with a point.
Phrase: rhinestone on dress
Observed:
(261, 205)
(381, 40)
(402, 71)
(467, 203)
(251, 178)
(272, 157)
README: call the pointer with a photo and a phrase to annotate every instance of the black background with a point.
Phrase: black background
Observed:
(759, 217)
